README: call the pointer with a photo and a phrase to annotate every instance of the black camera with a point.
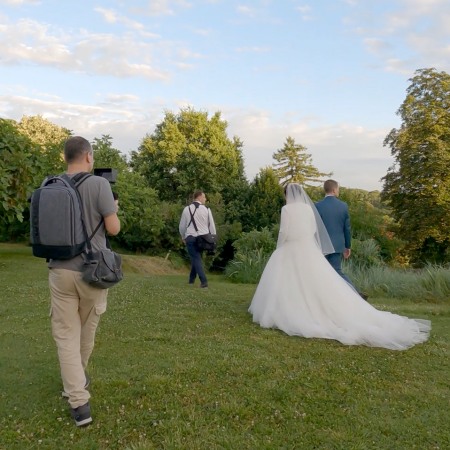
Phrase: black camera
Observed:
(109, 174)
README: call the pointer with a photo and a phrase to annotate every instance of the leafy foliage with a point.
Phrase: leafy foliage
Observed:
(19, 171)
(189, 151)
(417, 186)
(253, 249)
(43, 132)
(49, 141)
(264, 201)
(106, 156)
(371, 220)
(140, 210)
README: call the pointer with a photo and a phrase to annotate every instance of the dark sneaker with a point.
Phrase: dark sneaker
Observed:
(86, 385)
(204, 286)
(82, 415)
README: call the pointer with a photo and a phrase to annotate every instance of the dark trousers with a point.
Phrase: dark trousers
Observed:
(335, 259)
(196, 261)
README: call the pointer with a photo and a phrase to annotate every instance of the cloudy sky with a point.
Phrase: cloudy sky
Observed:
(329, 73)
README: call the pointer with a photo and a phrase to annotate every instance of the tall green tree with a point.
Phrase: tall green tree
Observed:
(188, 151)
(49, 138)
(417, 186)
(19, 171)
(43, 132)
(264, 201)
(294, 165)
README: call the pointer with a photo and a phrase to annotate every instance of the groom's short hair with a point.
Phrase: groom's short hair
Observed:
(197, 194)
(330, 185)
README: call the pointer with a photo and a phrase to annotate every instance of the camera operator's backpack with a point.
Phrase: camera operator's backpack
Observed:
(57, 229)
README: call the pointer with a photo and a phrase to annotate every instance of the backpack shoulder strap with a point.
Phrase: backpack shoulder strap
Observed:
(192, 216)
(75, 181)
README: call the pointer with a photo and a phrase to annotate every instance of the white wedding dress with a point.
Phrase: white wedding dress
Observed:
(301, 294)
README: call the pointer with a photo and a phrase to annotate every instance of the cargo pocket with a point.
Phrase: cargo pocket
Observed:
(100, 309)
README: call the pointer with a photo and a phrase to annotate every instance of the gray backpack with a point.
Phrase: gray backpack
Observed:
(57, 229)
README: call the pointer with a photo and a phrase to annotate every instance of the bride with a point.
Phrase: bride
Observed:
(301, 294)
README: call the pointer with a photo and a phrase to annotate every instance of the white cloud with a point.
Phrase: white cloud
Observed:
(122, 117)
(19, 2)
(112, 17)
(246, 10)
(203, 31)
(126, 55)
(377, 46)
(160, 7)
(305, 11)
(253, 49)
(407, 37)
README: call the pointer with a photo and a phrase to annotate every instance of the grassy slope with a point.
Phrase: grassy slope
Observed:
(177, 367)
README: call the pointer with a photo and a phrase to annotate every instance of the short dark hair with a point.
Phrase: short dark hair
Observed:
(75, 147)
(197, 194)
(330, 185)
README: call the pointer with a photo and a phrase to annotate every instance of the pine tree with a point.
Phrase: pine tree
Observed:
(294, 165)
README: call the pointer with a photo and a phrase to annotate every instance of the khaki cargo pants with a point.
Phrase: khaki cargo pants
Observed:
(75, 313)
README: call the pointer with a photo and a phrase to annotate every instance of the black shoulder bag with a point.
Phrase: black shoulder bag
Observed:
(101, 269)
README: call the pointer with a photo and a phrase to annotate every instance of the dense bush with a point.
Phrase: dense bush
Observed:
(252, 250)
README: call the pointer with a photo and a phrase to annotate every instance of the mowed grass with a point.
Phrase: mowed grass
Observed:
(176, 367)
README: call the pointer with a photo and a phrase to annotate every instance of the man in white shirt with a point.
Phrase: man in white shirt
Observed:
(196, 220)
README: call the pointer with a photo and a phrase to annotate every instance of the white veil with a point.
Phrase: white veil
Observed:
(296, 194)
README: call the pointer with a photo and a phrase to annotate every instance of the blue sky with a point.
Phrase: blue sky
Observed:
(329, 73)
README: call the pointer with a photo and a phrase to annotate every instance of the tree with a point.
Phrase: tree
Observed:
(49, 139)
(189, 151)
(294, 165)
(371, 221)
(41, 131)
(140, 212)
(19, 172)
(29, 151)
(264, 202)
(106, 156)
(417, 186)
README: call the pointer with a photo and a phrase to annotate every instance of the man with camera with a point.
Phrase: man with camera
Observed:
(196, 220)
(76, 306)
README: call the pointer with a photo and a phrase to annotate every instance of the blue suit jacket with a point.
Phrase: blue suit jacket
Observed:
(336, 219)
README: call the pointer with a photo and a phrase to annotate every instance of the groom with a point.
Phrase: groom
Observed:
(336, 219)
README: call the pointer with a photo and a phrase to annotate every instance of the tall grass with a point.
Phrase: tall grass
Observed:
(431, 283)
(247, 267)
(176, 367)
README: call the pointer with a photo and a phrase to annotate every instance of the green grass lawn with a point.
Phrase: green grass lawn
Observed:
(177, 367)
